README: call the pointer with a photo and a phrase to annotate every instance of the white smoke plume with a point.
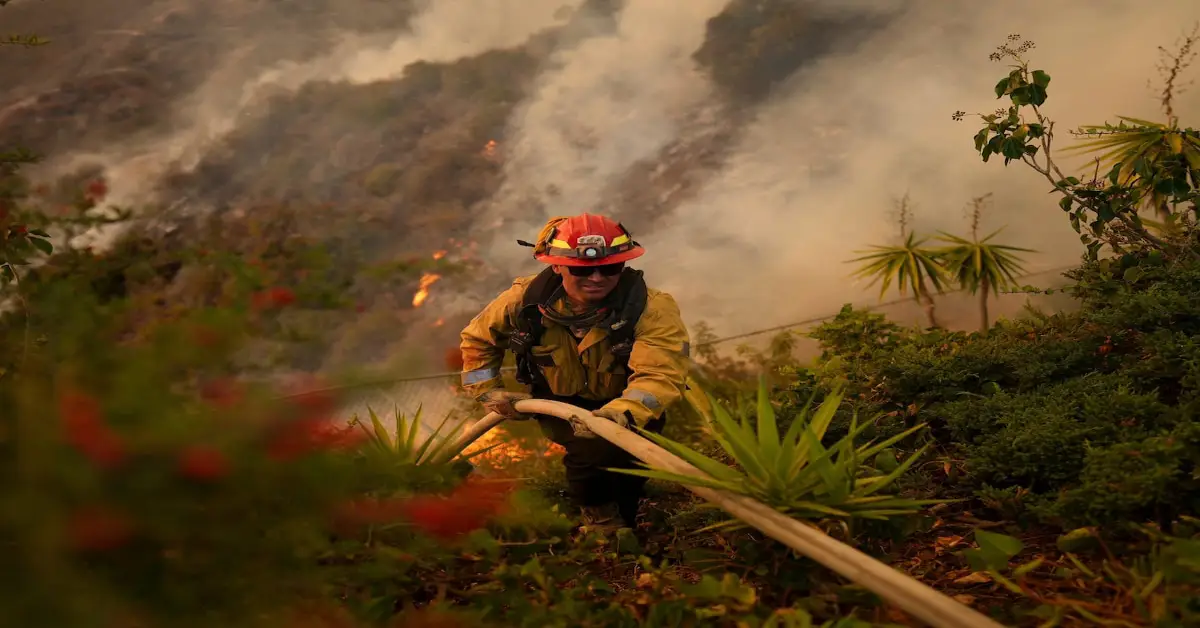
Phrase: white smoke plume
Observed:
(813, 177)
(443, 32)
(612, 100)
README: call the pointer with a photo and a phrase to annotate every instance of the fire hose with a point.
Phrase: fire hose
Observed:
(919, 600)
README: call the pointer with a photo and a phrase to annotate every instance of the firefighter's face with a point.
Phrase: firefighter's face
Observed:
(591, 287)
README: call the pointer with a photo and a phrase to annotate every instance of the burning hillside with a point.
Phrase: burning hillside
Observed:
(389, 134)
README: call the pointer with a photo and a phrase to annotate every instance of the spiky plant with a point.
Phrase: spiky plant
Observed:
(795, 473)
(910, 266)
(980, 266)
(407, 447)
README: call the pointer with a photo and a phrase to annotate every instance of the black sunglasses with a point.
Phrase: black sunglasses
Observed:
(607, 270)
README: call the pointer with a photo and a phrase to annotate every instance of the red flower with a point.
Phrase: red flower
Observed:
(97, 528)
(85, 429)
(465, 510)
(200, 462)
(306, 435)
(20, 229)
(272, 298)
(97, 190)
(315, 404)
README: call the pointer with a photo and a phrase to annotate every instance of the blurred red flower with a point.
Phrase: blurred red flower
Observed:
(447, 518)
(270, 298)
(295, 438)
(464, 510)
(204, 463)
(223, 392)
(314, 404)
(84, 427)
(97, 190)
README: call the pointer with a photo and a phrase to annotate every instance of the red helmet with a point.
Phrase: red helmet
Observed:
(585, 240)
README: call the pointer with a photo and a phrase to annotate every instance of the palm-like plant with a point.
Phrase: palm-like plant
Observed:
(796, 473)
(910, 266)
(978, 265)
(1160, 161)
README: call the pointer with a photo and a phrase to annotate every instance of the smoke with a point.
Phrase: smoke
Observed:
(602, 105)
(813, 178)
(236, 91)
(813, 173)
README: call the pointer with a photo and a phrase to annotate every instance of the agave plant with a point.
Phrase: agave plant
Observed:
(796, 473)
(407, 447)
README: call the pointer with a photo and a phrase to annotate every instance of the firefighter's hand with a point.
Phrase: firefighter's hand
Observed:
(616, 416)
(501, 402)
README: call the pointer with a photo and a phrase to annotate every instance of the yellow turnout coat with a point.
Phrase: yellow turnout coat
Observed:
(658, 363)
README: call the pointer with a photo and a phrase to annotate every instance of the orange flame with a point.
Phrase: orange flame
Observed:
(508, 452)
(489, 149)
(427, 280)
(439, 322)
(439, 254)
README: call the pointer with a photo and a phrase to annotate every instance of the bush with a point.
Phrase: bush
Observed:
(1154, 477)
(1076, 410)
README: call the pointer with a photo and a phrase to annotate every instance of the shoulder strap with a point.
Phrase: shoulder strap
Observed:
(632, 295)
(529, 328)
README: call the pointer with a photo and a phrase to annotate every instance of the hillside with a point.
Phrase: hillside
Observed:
(409, 161)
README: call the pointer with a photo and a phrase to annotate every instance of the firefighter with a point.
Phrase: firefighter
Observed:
(589, 332)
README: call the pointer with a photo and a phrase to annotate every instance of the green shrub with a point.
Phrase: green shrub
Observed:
(1134, 479)
(1039, 439)
(1072, 410)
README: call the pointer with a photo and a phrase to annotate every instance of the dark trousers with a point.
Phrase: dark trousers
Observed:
(586, 459)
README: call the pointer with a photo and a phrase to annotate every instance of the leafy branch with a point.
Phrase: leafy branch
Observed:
(1022, 132)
